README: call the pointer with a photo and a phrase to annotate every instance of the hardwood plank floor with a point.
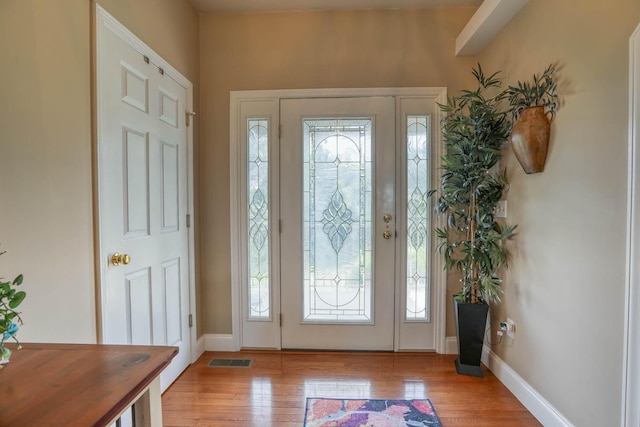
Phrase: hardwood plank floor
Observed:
(273, 391)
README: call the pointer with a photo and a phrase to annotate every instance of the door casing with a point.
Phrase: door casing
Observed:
(631, 365)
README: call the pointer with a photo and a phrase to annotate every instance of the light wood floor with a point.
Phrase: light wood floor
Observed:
(273, 391)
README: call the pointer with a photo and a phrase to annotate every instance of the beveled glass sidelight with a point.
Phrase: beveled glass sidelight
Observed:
(258, 219)
(337, 220)
(417, 278)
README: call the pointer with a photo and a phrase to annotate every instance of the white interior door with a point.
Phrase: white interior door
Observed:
(142, 163)
(337, 209)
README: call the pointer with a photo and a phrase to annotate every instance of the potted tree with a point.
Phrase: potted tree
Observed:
(474, 131)
(533, 106)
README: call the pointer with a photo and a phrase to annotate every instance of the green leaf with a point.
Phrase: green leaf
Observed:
(17, 299)
(18, 280)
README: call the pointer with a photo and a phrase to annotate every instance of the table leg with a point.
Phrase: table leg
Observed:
(148, 408)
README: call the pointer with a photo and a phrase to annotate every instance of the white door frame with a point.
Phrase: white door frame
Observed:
(104, 19)
(631, 366)
(439, 94)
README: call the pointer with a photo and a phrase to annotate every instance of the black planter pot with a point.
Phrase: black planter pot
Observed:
(471, 320)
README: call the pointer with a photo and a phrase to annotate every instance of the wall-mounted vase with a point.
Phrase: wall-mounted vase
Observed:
(530, 139)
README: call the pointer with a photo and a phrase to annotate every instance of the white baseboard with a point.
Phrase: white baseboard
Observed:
(199, 348)
(544, 411)
(219, 342)
(451, 345)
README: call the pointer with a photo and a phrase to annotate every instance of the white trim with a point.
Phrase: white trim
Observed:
(631, 366)
(192, 231)
(104, 20)
(489, 19)
(539, 407)
(236, 100)
(450, 345)
(438, 272)
(335, 93)
(200, 346)
(219, 342)
(234, 226)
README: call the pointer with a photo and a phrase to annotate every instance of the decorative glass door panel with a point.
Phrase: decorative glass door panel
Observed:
(258, 218)
(337, 220)
(337, 182)
(418, 219)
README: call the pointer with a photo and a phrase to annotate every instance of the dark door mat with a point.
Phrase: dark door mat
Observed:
(230, 363)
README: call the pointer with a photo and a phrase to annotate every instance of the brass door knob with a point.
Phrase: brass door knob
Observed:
(386, 234)
(117, 259)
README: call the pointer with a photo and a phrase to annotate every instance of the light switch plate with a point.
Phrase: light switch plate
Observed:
(500, 211)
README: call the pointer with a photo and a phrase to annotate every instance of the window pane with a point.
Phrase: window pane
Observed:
(417, 281)
(258, 221)
(337, 241)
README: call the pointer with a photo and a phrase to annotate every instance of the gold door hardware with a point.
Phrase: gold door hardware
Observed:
(188, 115)
(386, 234)
(117, 259)
(386, 218)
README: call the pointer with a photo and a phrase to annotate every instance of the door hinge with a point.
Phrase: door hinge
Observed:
(279, 131)
(191, 320)
(279, 226)
(280, 319)
(187, 117)
(188, 221)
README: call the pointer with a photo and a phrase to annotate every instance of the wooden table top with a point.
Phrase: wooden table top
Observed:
(76, 384)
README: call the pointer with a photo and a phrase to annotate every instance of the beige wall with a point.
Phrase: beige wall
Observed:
(46, 219)
(565, 289)
(392, 48)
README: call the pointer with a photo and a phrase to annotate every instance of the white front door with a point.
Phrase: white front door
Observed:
(337, 209)
(142, 179)
(331, 240)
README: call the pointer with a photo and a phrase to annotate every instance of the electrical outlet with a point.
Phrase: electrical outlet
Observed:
(511, 328)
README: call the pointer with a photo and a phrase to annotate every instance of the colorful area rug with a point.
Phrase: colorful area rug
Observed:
(370, 413)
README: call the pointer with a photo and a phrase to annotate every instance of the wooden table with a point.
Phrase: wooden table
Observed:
(82, 385)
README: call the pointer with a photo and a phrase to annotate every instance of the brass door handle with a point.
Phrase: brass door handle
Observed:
(117, 259)
(386, 234)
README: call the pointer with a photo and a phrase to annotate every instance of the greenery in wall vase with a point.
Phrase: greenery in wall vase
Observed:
(475, 129)
(540, 92)
(10, 299)
(533, 108)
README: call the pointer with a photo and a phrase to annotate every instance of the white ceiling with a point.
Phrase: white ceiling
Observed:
(282, 5)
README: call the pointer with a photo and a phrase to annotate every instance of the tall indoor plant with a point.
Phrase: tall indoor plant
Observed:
(474, 131)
